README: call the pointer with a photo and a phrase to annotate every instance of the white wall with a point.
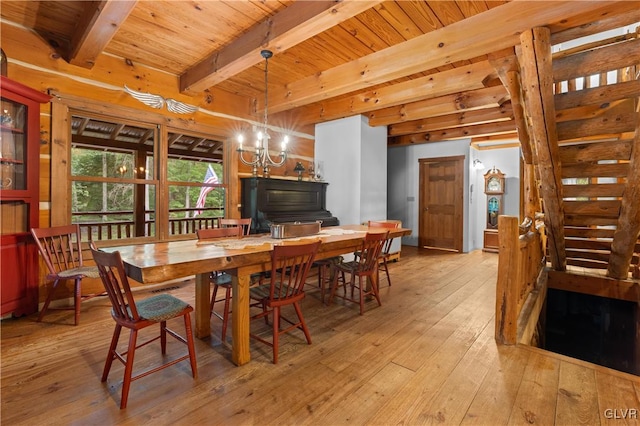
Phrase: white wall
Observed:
(373, 177)
(354, 162)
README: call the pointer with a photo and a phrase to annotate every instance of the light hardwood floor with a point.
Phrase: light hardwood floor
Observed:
(426, 356)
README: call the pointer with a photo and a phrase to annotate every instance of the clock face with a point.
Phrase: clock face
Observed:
(493, 185)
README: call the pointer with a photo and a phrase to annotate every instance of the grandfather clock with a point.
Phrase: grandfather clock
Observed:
(494, 188)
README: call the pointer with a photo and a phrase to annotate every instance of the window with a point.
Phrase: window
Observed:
(193, 207)
(119, 192)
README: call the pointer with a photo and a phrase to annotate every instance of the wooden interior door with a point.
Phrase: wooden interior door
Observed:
(441, 203)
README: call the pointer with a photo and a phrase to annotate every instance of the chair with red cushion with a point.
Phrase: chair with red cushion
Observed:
(363, 271)
(136, 315)
(60, 249)
(290, 266)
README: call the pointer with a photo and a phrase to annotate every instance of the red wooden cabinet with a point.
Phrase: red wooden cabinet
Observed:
(19, 196)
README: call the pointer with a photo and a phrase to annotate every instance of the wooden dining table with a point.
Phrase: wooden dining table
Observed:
(158, 262)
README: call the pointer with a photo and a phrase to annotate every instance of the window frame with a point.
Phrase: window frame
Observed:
(61, 135)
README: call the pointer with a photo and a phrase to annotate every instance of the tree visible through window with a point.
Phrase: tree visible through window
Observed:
(116, 185)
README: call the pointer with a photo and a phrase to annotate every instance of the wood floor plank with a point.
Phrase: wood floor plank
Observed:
(616, 398)
(454, 397)
(427, 355)
(536, 399)
(577, 396)
(497, 394)
(373, 393)
(437, 367)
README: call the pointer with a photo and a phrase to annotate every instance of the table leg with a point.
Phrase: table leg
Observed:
(203, 291)
(240, 320)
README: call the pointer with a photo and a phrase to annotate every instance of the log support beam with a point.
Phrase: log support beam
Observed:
(628, 228)
(538, 87)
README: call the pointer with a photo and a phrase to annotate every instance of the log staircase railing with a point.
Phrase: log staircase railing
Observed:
(521, 287)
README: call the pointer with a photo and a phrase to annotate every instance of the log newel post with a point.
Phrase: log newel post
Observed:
(509, 275)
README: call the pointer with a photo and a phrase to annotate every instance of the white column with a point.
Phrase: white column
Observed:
(354, 162)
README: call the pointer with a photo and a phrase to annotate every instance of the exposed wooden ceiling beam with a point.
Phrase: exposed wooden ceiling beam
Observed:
(501, 127)
(490, 97)
(293, 25)
(462, 119)
(489, 142)
(437, 48)
(97, 25)
(468, 77)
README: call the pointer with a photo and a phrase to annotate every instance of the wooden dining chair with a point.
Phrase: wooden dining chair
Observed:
(136, 315)
(290, 266)
(60, 249)
(363, 271)
(383, 264)
(245, 224)
(325, 273)
(220, 279)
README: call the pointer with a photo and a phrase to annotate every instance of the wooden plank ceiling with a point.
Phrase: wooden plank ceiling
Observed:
(420, 67)
(429, 70)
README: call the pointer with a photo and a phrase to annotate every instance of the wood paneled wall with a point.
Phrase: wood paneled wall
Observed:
(33, 63)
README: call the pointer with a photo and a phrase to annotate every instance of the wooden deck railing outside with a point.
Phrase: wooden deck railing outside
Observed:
(99, 230)
(520, 290)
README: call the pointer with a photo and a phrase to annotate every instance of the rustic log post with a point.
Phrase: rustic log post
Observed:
(531, 194)
(509, 277)
(230, 170)
(538, 80)
(628, 228)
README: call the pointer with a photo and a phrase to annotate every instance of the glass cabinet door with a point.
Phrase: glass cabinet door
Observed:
(13, 149)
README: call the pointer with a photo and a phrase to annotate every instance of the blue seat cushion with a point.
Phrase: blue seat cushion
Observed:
(160, 308)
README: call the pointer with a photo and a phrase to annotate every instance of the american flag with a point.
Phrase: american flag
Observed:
(209, 177)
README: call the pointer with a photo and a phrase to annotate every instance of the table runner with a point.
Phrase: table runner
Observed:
(259, 240)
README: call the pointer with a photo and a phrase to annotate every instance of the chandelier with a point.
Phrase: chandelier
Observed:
(261, 157)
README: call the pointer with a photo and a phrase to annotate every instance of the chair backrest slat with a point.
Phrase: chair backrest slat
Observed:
(370, 251)
(385, 225)
(206, 233)
(59, 247)
(245, 224)
(290, 265)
